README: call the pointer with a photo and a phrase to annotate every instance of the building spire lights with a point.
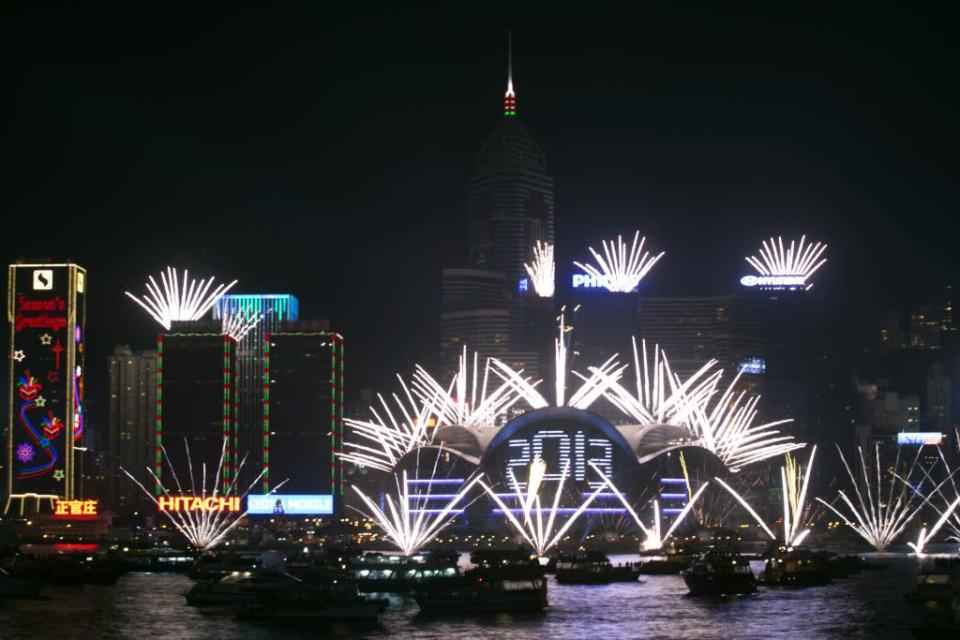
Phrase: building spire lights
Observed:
(510, 98)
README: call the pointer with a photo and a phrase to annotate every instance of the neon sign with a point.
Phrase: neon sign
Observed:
(298, 505)
(187, 503)
(932, 438)
(75, 508)
(774, 282)
(587, 281)
(579, 450)
(754, 366)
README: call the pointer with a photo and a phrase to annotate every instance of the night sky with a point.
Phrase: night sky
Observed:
(326, 155)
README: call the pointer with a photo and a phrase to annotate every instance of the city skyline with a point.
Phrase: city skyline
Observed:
(641, 156)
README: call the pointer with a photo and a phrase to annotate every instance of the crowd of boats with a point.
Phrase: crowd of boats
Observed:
(352, 584)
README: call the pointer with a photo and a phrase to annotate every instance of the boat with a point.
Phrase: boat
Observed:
(388, 573)
(796, 568)
(500, 581)
(13, 585)
(720, 572)
(69, 563)
(157, 559)
(213, 566)
(239, 586)
(938, 580)
(593, 567)
(328, 596)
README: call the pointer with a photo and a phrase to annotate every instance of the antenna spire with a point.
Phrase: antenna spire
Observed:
(510, 98)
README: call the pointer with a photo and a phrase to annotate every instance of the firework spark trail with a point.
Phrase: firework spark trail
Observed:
(238, 324)
(407, 531)
(876, 520)
(746, 505)
(653, 538)
(206, 529)
(620, 271)
(948, 511)
(179, 301)
(795, 498)
(540, 535)
(392, 437)
(542, 269)
(794, 261)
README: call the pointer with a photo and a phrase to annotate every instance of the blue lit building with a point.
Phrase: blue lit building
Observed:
(273, 309)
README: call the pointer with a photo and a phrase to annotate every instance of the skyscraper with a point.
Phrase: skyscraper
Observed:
(46, 309)
(268, 312)
(510, 207)
(132, 416)
(510, 197)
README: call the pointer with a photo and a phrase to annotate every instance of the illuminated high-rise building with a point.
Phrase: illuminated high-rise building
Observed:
(302, 411)
(46, 309)
(510, 197)
(197, 370)
(132, 416)
(266, 313)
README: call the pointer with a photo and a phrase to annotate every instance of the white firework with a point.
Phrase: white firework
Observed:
(801, 260)
(946, 505)
(239, 323)
(746, 505)
(466, 401)
(876, 517)
(178, 300)
(654, 538)
(795, 498)
(207, 528)
(542, 269)
(619, 270)
(386, 438)
(408, 521)
(539, 526)
(728, 429)
(594, 386)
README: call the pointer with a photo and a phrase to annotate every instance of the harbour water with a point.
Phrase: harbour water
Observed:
(150, 606)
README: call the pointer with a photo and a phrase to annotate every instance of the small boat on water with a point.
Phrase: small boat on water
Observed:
(69, 563)
(213, 566)
(237, 587)
(500, 581)
(328, 596)
(938, 580)
(796, 568)
(593, 567)
(720, 572)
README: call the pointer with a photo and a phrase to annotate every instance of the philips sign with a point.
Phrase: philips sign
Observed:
(587, 281)
(291, 505)
(754, 366)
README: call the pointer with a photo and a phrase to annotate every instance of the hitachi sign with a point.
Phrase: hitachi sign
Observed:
(179, 503)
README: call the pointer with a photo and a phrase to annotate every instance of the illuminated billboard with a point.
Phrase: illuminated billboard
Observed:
(752, 366)
(47, 311)
(290, 505)
(933, 438)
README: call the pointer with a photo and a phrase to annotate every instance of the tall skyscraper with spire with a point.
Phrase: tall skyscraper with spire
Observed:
(489, 307)
(510, 196)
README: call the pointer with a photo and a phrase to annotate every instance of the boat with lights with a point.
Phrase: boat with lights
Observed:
(593, 567)
(720, 572)
(500, 581)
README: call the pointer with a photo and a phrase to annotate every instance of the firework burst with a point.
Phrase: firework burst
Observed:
(203, 529)
(239, 323)
(179, 299)
(619, 270)
(541, 270)
(411, 520)
(539, 526)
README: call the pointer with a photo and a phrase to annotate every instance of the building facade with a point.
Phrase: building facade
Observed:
(132, 415)
(46, 309)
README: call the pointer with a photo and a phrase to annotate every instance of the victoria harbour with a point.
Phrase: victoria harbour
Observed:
(325, 322)
(866, 606)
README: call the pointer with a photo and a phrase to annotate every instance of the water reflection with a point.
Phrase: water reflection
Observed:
(145, 606)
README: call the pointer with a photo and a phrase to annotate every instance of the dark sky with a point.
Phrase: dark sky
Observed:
(326, 155)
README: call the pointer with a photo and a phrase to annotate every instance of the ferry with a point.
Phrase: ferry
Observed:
(593, 567)
(796, 568)
(327, 596)
(500, 581)
(720, 572)
(938, 580)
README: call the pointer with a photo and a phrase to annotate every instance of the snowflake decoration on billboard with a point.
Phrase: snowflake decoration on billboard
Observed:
(25, 452)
